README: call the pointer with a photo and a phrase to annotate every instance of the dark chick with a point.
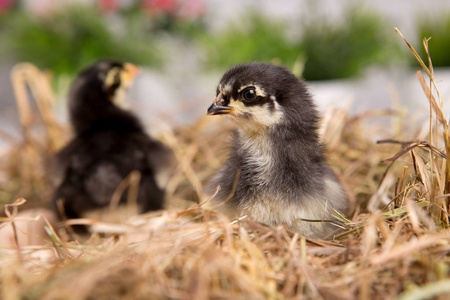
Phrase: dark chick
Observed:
(109, 143)
(276, 172)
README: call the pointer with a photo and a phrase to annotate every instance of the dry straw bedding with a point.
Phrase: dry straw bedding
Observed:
(394, 244)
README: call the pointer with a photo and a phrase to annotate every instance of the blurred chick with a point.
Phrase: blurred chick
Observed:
(276, 172)
(109, 143)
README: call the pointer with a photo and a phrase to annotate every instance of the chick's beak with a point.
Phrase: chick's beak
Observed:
(217, 108)
(129, 73)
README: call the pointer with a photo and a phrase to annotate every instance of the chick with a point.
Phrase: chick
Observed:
(276, 172)
(109, 144)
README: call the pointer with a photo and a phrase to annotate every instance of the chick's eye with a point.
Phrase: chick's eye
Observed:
(117, 78)
(249, 94)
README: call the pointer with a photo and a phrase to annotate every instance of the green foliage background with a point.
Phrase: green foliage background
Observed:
(72, 38)
(77, 35)
(328, 50)
(438, 29)
(256, 38)
(344, 50)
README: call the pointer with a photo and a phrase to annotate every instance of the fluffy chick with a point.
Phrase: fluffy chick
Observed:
(109, 143)
(276, 172)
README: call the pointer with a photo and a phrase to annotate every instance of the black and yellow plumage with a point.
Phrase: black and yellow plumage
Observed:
(109, 143)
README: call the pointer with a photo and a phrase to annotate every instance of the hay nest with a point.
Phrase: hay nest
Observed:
(395, 241)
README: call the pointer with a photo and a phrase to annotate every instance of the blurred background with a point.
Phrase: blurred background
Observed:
(347, 50)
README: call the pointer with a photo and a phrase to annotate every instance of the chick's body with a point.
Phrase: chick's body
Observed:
(276, 172)
(109, 144)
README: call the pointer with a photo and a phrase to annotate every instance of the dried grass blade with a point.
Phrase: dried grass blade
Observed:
(436, 108)
(423, 171)
(428, 291)
(402, 210)
(412, 146)
(416, 55)
(11, 214)
(404, 251)
(401, 153)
